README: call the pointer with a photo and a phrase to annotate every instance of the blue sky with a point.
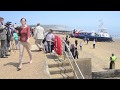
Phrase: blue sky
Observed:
(79, 19)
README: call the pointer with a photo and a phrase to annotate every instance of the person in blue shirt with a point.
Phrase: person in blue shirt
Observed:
(16, 38)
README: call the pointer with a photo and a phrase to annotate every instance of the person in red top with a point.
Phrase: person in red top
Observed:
(24, 35)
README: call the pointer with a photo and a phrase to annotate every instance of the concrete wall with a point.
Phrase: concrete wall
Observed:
(85, 66)
(106, 74)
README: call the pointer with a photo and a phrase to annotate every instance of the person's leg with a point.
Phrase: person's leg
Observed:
(77, 56)
(74, 56)
(8, 45)
(40, 43)
(110, 65)
(3, 48)
(52, 46)
(46, 47)
(48, 43)
(27, 46)
(113, 65)
(21, 46)
(80, 47)
(16, 42)
(36, 42)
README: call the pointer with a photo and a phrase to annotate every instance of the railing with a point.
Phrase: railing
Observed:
(68, 54)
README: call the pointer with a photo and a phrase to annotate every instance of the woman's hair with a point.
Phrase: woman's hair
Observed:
(22, 19)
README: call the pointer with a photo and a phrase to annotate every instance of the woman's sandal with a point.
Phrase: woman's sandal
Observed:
(18, 69)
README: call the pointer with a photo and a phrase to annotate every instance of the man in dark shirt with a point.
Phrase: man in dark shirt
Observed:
(76, 53)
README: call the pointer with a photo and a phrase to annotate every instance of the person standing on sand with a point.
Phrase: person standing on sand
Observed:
(76, 42)
(50, 40)
(94, 44)
(24, 34)
(39, 36)
(76, 53)
(87, 40)
(112, 61)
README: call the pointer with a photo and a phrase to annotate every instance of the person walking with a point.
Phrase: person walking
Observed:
(94, 44)
(112, 61)
(24, 34)
(39, 36)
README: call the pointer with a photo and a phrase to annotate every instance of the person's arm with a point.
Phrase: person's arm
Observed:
(53, 37)
(2, 27)
(44, 32)
(28, 34)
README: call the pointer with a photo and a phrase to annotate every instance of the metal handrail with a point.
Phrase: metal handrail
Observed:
(71, 65)
(73, 60)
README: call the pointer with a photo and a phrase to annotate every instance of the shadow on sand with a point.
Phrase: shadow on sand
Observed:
(34, 51)
(52, 57)
(14, 64)
(106, 68)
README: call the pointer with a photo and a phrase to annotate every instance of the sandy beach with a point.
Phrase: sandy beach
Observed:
(100, 56)
(36, 70)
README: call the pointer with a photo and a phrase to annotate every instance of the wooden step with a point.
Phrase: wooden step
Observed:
(52, 63)
(59, 70)
(69, 75)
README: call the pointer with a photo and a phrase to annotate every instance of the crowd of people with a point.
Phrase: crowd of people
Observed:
(14, 37)
(18, 37)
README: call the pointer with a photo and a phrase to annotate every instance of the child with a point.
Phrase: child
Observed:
(76, 42)
(81, 45)
(76, 53)
(15, 35)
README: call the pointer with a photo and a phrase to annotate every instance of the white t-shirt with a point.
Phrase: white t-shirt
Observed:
(49, 37)
(39, 32)
(94, 42)
(80, 43)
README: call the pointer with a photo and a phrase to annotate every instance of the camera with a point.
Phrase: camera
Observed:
(8, 24)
